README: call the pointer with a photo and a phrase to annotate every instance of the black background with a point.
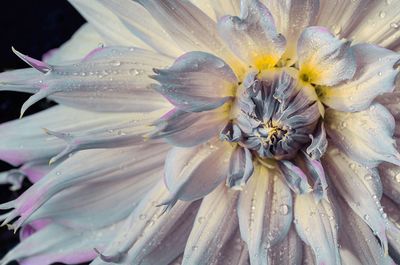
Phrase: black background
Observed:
(33, 28)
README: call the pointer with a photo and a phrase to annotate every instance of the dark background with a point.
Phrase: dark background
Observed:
(33, 28)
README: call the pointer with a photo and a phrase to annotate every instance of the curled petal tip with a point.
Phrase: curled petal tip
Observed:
(38, 65)
(113, 259)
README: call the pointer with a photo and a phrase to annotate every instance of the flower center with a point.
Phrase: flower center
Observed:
(274, 116)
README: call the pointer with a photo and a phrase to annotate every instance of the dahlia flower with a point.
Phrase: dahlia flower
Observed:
(211, 132)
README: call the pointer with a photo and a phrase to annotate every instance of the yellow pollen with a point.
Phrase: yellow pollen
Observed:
(265, 61)
(309, 74)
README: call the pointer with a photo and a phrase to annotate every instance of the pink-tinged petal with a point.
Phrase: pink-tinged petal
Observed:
(323, 59)
(390, 176)
(316, 225)
(294, 177)
(291, 18)
(375, 75)
(191, 173)
(197, 81)
(115, 31)
(111, 79)
(25, 140)
(215, 223)
(36, 64)
(240, 168)
(252, 36)
(144, 27)
(35, 170)
(317, 174)
(350, 179)
(56, 243)
(288, 252)
(348, 258)
(146, 226)
(104, 165)
(357, 237)
(187, 129)
(366, 136)
(265, 213)
(32, 228)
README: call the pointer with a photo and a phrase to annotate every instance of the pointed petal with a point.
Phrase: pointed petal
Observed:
(36, 64)
(324, 59)
(108, 79)
(288, 252)
(319, 143)
(366, 136)
(108, 164)
(240, 168)
(191, 173)
(197, 81)
(217, 217)
(316, 225)
(265, 213)
(375, 75)
(253, 36)
(348, 178)
(291, 18)
(317, 173)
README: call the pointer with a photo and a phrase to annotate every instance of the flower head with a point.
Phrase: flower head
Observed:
(211, 132)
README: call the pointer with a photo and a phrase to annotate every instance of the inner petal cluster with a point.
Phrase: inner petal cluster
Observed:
(274, 117)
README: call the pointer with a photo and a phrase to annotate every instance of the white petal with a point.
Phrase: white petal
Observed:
(253, 36)
(234, 252)
(348, 177)
(114, 32)
(265, 213)
(223, 7)
(215, 223)
(324, 59)
(366, 136)
(291, 18)
(375, 75)
(56, 243)
(84, 40)
(191, 173)
(316, 225)
(143, 27)
(288, 252)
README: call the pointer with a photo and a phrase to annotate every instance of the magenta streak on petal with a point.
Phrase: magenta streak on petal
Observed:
(32, 228)
(49, 54)
(69, 258)
(92, 53)
(38, 65)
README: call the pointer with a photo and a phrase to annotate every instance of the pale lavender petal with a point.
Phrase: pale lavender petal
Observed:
(35, 170)
(13, 177)
(187, 129)
(191, 173)
(223, 7)
(288, 252)
(240, 168)
(366, 136)
(375, 75)
(252, 36)
(295, 177)
(393, 232)
(234, 251)
(317, 173)
(265, 213)
(319, 143)
(348, 177)
(316, 223)
(215, 223)
(323, 59)
(359, 239)
(197, 81)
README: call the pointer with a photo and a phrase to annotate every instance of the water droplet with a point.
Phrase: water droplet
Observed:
(379, 73)
(194, 248)
(284, 209)
(115, 63)
(336, 29)
(134, 72)
(382, 14)
(397, 178)
(394, 25)
(368, 177)
(201, 219)
(366, 217)
(142, 216)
